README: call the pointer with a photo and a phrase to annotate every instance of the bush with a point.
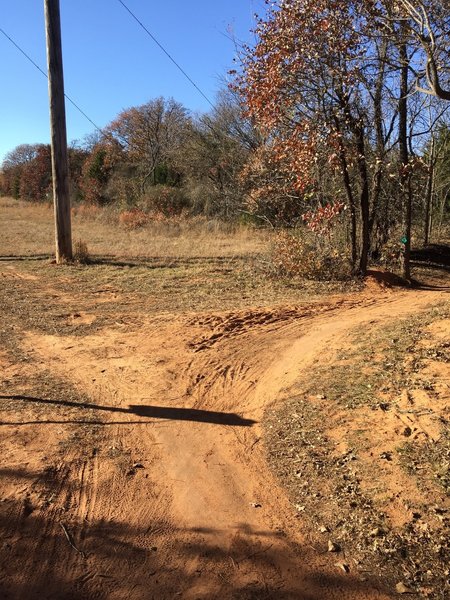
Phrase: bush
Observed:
(306, 255)
(133, 219)
(168, 201)
(81, 252)
(86, 211)
(123, 189)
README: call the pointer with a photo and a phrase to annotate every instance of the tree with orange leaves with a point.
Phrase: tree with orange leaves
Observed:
(301, 84)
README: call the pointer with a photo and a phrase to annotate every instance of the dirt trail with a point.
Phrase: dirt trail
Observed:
(174, 498)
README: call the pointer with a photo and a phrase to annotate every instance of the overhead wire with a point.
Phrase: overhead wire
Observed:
(68, 98)
(178, 66)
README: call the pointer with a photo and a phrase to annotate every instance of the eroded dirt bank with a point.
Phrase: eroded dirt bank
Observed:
(144, 475)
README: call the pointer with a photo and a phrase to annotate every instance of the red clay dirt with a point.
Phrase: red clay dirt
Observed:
(173, 498)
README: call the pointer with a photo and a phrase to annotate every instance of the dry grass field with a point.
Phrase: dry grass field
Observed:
(171, 266)
(175, 422)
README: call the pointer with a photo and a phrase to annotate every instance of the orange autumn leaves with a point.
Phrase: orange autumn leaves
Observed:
(301, 46)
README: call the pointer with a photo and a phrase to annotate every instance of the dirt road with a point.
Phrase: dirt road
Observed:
(154, 484)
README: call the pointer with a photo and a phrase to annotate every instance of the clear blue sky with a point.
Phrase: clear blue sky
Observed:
(109, 61)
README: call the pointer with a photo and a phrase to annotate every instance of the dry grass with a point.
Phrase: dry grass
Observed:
(27, 230)
(192, 265)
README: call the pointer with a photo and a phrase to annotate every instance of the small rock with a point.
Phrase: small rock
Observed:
(401, 588)
(333, 547)
(323, 529)
(300, 507)
(138, 465)
(343, 566)
(386, 456)
(407, 432)
(376, 532)
(427, 591)
(255, 505)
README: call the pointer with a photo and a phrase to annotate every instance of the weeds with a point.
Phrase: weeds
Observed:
(133, 218)
(309, 256)
(81, 252)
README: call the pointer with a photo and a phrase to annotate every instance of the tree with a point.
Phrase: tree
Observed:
(214, 154)
(95, 173)
(330, 84)
(301, 83)
(428, 23)
(27, 172)
(36, 179)
(150, 136)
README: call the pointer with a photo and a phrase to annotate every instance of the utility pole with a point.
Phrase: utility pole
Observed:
(60, 166)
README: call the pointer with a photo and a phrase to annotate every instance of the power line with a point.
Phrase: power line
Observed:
(28, 57)
(23, 52)
(166, 53)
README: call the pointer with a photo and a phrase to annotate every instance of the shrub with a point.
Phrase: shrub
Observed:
(169, 201)
(391, 253)
(86, 211)
(81, 252)
(133, 219)
(309, 256)
(123, 189)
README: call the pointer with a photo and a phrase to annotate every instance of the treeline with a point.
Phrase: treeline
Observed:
(156, 157)
(336, 126)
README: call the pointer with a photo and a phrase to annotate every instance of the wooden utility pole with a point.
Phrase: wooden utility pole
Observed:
(60, 166)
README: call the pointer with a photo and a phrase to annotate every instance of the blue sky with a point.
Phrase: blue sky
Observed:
(109, 61)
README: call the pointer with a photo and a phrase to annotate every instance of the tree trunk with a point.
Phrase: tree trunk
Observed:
(364, 203)
(350, 197)
(429, 194)
(380, 142)
(405, 177)
(351, 201)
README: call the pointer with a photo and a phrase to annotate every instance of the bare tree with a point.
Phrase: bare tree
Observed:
(429, 24)
(150, 135)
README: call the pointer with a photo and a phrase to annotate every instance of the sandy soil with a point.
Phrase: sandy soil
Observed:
(151, 481)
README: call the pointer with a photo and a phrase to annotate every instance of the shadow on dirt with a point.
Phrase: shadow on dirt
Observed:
(13, 258)
(151, 412)
(164, 262)
(143, 262)
(434, 256)
(433, 266)
(50, 554)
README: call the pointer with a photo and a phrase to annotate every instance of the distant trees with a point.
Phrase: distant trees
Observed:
(27, 172)
(325, 130)
(150, 138)
(156, 156)
(95, 173)
(13, 166)
(218, 147)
